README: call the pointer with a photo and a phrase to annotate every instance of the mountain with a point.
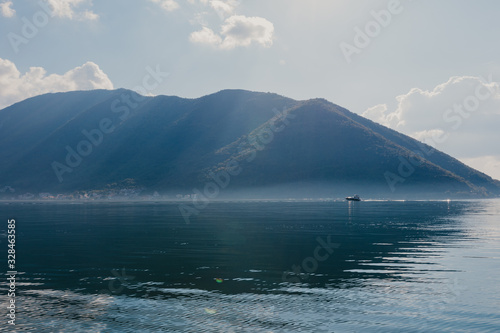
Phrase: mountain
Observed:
(233, 141)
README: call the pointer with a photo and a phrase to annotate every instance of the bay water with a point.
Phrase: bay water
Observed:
(255, 266)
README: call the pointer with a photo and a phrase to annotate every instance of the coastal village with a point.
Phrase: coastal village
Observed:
(123, 190)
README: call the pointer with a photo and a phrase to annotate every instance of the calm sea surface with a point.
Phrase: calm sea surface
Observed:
(372, 266)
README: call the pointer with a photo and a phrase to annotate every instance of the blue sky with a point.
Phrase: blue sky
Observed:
(415, 66)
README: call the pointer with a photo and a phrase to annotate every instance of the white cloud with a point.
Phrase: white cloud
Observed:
(429, 135)
(67, 9)
(421, 110)
(168, 5)
(242, 31)
(490, 165)
(6, 9)
(379, 114)
(200, 18)
(15, 86)
(237, 30)
(460, 117)
(205, 36)
(224, 8)
(89, 15)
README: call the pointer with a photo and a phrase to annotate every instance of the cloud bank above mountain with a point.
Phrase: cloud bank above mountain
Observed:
(460, 117)
(16, 86)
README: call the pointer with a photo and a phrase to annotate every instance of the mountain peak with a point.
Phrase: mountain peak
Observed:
(88, 140)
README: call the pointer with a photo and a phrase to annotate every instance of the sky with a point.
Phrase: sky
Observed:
(428, 69)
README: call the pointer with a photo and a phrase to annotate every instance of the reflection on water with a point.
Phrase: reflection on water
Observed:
(258, 267)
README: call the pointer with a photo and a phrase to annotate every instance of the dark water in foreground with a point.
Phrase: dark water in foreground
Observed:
(359, 267)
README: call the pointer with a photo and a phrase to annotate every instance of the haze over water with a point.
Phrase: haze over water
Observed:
(413, 266)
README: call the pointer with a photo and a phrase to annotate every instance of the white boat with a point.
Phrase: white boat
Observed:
(354, 198)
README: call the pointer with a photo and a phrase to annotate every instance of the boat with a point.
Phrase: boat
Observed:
(354, 198)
